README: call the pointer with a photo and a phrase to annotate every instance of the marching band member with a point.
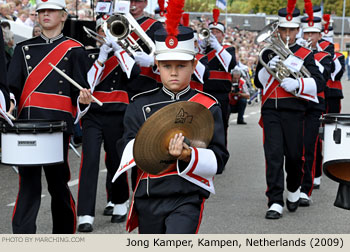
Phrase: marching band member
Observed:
(283, 107)
(333, 90)
(172, 202)
(222, 59)
(43, 94)
(311, 27)
(108, 79)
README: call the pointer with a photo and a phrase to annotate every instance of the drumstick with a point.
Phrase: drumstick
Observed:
(10, 116)
(73, 82)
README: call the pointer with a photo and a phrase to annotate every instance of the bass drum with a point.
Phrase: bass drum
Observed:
(336, 147)
(32, 142)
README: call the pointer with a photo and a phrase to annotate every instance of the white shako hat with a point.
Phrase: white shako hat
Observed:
(289, 20)
(50, 4)
(314, 25)
(328, 33)
(179, 47)
(216, 24)
(220, 26)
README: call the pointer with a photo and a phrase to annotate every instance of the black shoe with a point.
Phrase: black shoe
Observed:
(316, 186)
(273, 215)
(304, 202)
(241, 122)
(85, 227)
(108, 211)
(118, 218)
(292, 206)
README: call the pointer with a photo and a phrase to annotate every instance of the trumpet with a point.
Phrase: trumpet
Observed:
(203, 36)
(269, 35)
(119, 27)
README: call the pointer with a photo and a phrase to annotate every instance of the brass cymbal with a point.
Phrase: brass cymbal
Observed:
(191, 119)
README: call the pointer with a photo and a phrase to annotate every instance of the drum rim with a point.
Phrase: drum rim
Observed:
(329, 175)
(343, 119)
(34, 126)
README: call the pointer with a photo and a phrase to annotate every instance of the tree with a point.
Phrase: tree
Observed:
(269, 7)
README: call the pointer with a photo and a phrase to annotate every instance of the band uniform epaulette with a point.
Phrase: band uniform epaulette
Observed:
(321, 55)
(208, 95)
(75, 41)
(148, 92)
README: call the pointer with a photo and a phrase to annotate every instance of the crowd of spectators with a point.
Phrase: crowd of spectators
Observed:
(23, 11)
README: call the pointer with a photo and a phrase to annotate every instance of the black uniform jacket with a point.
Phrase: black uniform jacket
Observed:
(334, 88)
(113, 89)
(292, 102)
(325, 59)
(27, 56)
(219, 80)
(142, 107)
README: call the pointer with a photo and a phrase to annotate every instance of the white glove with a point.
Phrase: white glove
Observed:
(302, 42)
(104, 51)
(272, 63)
(113, 44)
(214, 43)
(143, 59)
(290, 84)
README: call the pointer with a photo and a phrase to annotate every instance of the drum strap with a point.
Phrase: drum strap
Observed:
(110, 65)
(43, 69)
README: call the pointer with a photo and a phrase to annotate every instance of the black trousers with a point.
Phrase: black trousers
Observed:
(97, 128)
(223, 99)
(239, 108)
(333, 105)
(311, 138)
(283, 137)
(172, 215)
(29, 197)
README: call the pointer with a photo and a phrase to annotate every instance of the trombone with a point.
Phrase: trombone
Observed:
(119, 27)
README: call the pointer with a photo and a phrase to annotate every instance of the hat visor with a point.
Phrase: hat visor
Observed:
(288, 25)
(311, 29)
(174, 56)
(49, 6)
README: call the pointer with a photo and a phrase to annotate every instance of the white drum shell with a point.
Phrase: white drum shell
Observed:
(333, 151)
(32, 149)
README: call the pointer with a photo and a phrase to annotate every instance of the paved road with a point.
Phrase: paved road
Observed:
(239, 205)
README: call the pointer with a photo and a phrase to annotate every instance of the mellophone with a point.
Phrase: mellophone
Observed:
(336, 154)
(32, 142)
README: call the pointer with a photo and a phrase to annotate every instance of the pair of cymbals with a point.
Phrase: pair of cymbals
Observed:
(192, 119)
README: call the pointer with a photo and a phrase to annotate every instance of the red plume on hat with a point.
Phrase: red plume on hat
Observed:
(327, 19)
(185, 19)
(290, 8)
(309, 11)
(161, 7)
(173, 17)
(216, 14)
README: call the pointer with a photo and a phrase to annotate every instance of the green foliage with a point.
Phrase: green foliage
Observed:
(269, 7)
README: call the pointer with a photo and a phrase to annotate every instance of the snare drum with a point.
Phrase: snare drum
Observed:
(336, 147)
(32, 142)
